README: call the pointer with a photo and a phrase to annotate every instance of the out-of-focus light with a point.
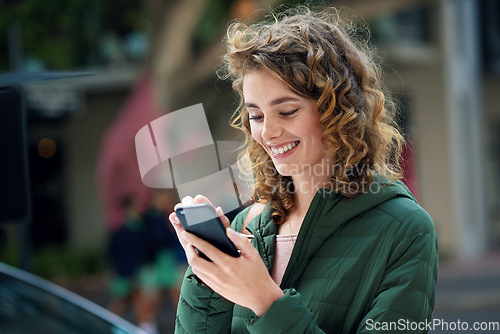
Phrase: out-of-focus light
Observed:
(243, 9)
(46, 148)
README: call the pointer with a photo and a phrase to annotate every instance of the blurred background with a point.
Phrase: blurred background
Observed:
(146, 58)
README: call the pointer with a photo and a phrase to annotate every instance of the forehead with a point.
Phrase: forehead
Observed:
(259, 76)
(264, 85)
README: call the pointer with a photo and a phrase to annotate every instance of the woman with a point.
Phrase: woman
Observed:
(341, 246)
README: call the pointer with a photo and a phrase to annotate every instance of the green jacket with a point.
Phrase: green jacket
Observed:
(363, 265)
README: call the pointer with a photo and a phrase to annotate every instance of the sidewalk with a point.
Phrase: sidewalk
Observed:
(469, 285)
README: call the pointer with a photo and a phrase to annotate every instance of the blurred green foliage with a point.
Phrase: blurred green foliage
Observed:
(64, 34)
(211, 24)
(72, 264)
(61, 262)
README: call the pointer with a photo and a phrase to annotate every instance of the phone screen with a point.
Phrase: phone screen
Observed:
(199, 214)
(202, 220)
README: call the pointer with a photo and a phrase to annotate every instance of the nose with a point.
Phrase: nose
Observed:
(271, 129)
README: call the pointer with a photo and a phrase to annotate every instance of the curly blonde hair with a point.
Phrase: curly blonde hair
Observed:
(316, 55)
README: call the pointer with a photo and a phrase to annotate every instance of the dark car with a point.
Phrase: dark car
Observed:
(29, 304)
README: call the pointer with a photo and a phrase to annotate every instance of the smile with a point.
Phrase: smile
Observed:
(283, 149)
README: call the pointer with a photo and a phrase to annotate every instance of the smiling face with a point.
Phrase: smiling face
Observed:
(285, 124)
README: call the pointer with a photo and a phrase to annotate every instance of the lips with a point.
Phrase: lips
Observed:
(280, 150)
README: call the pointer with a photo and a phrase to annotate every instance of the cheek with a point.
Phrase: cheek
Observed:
(319, 134)
(314, 133)
(256, 133)
(317, 130)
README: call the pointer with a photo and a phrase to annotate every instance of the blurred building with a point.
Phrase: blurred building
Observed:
(66, 119)
(442, 61)
(67, 123)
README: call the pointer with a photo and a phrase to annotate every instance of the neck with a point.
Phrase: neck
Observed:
(302, 201)
(305, 190)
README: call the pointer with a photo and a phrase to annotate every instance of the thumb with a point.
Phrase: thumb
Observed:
(240, 240)
(222, 217)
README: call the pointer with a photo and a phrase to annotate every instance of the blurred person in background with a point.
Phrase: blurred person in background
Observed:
(164, 257)
(131, 281)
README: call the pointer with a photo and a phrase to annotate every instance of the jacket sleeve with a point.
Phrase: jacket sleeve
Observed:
(286, 315)
(200, 309)
(406, 294)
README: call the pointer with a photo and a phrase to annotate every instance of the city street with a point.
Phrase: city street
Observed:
(468, 292)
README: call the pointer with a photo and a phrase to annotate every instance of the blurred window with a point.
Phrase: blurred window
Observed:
(490, 32)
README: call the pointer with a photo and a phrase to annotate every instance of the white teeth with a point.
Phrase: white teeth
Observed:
(281, 150)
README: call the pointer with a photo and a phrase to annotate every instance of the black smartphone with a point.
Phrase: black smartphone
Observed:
(202, 220)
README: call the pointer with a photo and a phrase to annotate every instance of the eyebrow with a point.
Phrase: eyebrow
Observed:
(275, 102)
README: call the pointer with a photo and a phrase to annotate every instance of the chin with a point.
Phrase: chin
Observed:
(287, 171)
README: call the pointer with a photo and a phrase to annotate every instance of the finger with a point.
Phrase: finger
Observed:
(222, 217)
(240, 241)
(203, 269)
(191, 253)
(199, 199)
(194, 259)
(187, 200)
(174, 219)
(177, 225)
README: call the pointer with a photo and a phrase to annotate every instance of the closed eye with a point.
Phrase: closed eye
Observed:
(255, 118)
(289, 113)
(258, 118)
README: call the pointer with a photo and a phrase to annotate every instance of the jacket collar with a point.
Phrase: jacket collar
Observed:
(328, 212)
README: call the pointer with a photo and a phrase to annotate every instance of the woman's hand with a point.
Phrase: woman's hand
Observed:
(244, 280)
(188, 200)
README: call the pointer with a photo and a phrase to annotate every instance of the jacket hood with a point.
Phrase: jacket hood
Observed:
(328, 212)
(346, 208)
(341, 209)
